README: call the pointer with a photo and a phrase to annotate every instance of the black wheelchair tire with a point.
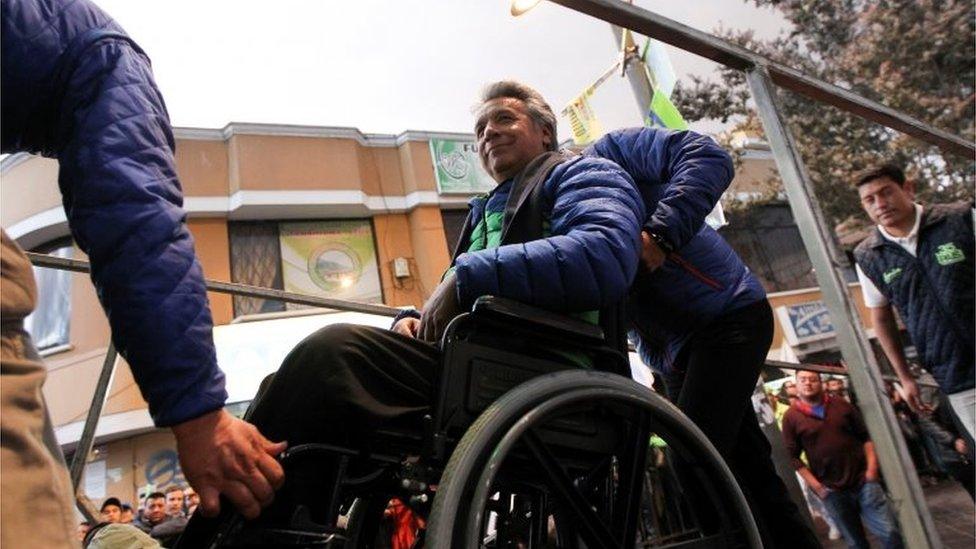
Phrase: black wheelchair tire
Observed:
(455, 519)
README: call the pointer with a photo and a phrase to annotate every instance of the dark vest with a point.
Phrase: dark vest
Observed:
(933, 291)
(526, 211)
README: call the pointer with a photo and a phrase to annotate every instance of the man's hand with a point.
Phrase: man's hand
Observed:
(439, 310)
(960, 446)
(221, 454)
(871, 475)
(652, 256)
(909, 391)
(408, 326)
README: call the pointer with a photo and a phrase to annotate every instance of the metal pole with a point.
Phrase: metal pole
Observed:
(917, 526)
(91, 422)
(640, 84)
(79, 266)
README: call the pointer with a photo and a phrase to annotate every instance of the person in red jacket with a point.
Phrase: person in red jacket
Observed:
(843, 468)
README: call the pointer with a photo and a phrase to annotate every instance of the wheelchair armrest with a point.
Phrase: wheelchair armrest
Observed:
(517, 312)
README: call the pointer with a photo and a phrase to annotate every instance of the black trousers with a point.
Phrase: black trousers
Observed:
(344, 381)
(337, 386)
(712, 383)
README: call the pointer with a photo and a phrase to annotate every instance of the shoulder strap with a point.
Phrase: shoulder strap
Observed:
(526, 184)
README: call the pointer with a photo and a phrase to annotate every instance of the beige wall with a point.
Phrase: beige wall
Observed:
(418, 170)
(202, 167)
(392, 241)
(430, 246)
(296, 163)
(213, 248)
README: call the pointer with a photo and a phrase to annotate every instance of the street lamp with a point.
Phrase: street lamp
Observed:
(521, 6)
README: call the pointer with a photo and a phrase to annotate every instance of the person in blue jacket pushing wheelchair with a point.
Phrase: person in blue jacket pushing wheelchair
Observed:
(700, 318)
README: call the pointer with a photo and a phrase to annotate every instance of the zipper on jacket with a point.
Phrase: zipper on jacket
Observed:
(681, 262)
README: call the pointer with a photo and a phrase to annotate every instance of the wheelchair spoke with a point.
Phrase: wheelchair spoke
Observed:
(594, 532)
(626, 509)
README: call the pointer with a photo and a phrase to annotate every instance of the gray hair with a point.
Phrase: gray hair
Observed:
(538, 109)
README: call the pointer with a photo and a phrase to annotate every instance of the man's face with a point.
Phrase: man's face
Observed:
(790, 388)
(887, 203)
(112, 513)
(126, 516)
(155, 510)
(834, 385)
(508, 137)
(808, 385)
(174, 502)
(191, 498)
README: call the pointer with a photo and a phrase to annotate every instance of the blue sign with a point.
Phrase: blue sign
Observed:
(807, 322)
(163, 469)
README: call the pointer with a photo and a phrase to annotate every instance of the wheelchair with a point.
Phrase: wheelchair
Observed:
(537, 438)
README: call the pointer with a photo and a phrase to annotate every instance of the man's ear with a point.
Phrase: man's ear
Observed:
(546, 137)
(909, 187)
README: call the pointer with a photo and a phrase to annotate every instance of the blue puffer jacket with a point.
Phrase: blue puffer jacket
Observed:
(590, 257)
(76, 88)
(680, 175)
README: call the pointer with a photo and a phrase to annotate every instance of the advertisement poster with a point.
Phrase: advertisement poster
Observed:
(330, 259)
(457, 167)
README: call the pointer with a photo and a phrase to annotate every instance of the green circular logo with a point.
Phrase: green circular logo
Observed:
(334, 267)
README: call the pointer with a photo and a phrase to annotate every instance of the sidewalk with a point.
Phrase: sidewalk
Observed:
(953, 513)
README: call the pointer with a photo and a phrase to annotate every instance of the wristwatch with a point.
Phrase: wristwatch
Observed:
(661, 243)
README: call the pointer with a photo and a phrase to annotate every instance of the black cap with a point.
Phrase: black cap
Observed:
(112, 501)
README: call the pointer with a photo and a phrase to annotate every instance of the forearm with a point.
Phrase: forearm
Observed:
(700, 171)
(886, 330)
(123, 199)
(871, 472)
(812, 481)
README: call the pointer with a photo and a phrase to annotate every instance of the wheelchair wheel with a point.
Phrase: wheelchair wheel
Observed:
(565, 455)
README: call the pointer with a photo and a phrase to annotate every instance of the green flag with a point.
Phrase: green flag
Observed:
(664, 113)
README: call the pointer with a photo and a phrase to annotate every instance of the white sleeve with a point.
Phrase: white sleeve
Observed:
(872, 296)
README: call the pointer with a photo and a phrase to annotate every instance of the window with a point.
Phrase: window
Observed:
(255, 259)
(453, 221)
(322, 258)
(49, 324)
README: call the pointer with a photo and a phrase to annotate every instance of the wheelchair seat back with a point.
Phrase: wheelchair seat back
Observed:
(500, 345)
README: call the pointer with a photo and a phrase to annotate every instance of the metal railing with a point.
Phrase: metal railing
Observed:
(763, 75)
(87, 439)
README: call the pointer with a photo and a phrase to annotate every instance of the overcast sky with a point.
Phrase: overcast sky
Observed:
(390, 66)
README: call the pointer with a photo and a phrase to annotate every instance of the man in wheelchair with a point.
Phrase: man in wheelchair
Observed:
(559, 232)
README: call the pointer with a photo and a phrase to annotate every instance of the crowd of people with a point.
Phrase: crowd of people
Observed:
(162, 515)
